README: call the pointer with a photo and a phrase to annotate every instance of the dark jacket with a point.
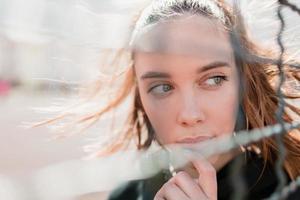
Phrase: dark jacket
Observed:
(259, 182)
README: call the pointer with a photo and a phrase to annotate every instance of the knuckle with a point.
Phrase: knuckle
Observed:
(167, 186)
(180, 176)
(209, 170)
(158, 198)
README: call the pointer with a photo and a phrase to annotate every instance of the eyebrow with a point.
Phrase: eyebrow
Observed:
(152, 74)
(210, 66)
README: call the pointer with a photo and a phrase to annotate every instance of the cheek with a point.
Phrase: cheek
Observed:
(160, 114)
(222, 115)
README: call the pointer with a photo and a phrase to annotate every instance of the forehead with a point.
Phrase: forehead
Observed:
(197, 36)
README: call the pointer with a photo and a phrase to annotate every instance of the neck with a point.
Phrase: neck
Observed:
(218, 162)
(221, 160)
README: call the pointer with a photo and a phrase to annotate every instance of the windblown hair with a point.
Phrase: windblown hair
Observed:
(258, 72)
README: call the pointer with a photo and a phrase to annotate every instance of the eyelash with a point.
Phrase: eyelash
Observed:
(156, 86)
(222, 79)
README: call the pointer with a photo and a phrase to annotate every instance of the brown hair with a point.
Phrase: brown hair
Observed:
(257, 69)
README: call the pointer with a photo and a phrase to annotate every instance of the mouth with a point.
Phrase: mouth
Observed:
(193, 140)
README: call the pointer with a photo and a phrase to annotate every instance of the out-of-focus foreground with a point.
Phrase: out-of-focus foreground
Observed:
(47, 45)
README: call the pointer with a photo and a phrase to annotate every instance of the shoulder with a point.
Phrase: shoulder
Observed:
(144, 188)
(263, 181)
(294, 195)
(129, 190)
(260, 179)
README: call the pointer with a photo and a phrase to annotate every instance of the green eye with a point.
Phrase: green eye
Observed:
(161, 89)
(216, 80)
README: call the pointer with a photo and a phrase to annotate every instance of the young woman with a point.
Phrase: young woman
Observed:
(195, 76)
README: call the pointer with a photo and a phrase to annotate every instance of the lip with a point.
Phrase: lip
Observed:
(193, 140)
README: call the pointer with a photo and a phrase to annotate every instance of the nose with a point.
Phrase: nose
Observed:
(190, 112)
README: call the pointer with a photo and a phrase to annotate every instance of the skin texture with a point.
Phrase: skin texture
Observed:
(188, 88)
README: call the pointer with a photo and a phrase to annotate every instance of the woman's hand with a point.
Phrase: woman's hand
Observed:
(183, 187)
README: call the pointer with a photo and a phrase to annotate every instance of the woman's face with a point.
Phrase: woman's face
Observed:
(187, 80)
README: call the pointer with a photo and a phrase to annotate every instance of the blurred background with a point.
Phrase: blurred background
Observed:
(48, 47)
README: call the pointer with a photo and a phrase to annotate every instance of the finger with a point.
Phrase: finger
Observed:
(159, 198)
(207, 177)
(189, 186)
(171, 191)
